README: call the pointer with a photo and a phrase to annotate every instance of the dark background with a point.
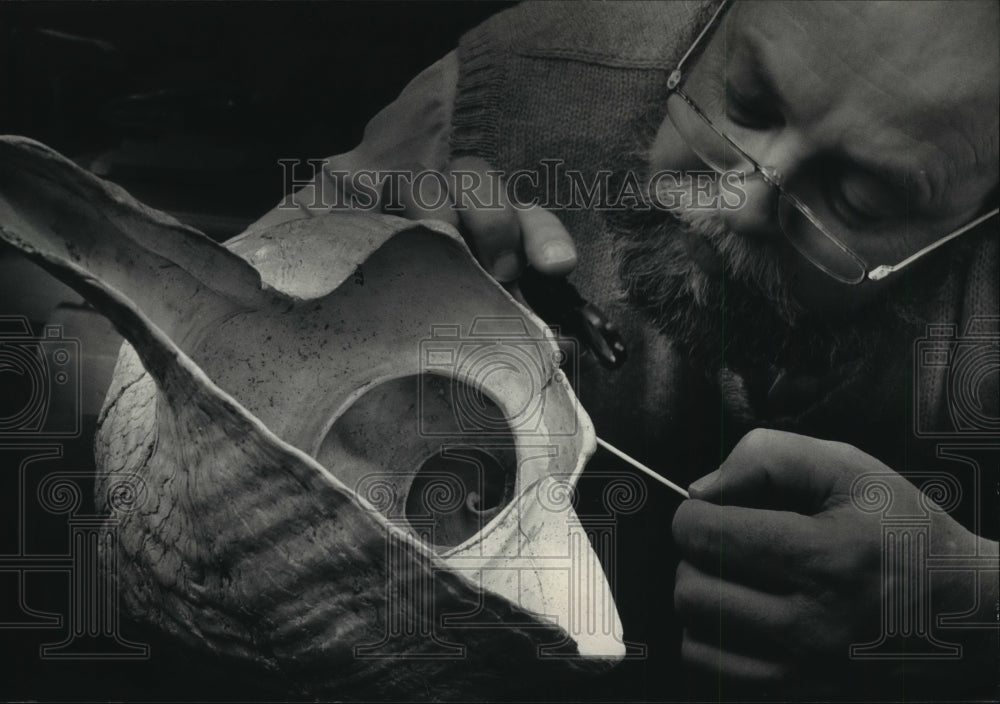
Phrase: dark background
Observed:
(190, 104)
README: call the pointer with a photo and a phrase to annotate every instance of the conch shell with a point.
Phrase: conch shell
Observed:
(356, 451)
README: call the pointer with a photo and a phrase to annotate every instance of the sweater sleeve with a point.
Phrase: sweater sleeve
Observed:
(475, 114)
(622, 34)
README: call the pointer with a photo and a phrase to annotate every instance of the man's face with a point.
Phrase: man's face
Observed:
(837, 101)
(885, 114)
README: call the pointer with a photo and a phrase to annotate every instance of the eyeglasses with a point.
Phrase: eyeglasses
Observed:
(821, 245)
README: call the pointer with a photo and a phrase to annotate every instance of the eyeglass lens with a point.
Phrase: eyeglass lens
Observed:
(799, 227)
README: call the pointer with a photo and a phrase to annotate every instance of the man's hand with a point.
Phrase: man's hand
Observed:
(506, 237)
(782, 571)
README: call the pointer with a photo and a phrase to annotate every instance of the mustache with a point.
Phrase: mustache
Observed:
(754, 262)
(740, 314)
(747, 260)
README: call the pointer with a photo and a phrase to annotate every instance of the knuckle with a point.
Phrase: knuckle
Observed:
(542, 218)
(683, 524)
(776, 673)
(492, 226)
(691, 651)
(855, 460)
(811, 632)
(788, 622)
(683, 589)
(757, 441)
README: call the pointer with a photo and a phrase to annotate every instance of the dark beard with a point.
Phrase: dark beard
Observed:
(719, 320)
(743, 318)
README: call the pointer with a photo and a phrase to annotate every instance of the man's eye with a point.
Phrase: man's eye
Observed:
(752, 113)
(848, 213)
(856, 209)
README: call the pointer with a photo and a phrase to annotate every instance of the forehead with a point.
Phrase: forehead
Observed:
(915, 82)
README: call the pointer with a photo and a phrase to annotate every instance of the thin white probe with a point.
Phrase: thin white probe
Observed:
(643, 468)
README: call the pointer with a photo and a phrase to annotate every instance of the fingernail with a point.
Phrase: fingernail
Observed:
(703, 485)
(506, 266)
(558, 252)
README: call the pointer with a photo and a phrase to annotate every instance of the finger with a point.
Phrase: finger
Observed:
(547, 244)
(775, 469)
(769, 549)
(731, 615)
(488, 220)
(731, 672)
(426, 197)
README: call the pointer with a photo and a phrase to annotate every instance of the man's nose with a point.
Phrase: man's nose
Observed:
(758, 214)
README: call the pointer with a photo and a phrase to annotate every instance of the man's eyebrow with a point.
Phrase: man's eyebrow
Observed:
(909, 182)
(751, 66)
(906, 182)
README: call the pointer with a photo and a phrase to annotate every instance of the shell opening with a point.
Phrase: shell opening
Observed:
(429, 451)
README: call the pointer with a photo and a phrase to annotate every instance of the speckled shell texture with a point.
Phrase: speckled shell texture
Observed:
(243, 541)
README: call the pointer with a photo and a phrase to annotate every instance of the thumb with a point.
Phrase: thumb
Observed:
(771, 469)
